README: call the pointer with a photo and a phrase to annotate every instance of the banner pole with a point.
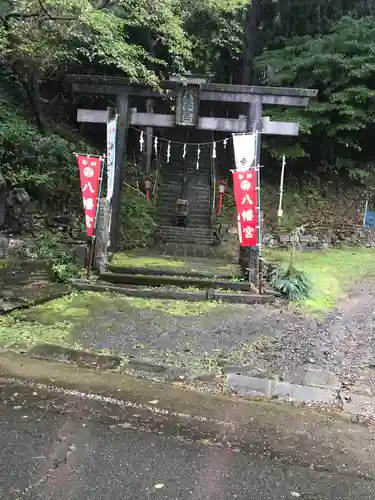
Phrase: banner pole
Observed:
(365, 215)
(92, 244)
(280, 211)
(91, 256)
(259, 213)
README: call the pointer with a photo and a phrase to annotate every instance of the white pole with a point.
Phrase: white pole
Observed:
(280, 211)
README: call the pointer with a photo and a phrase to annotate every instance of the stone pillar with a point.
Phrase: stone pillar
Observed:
(249, 256)
(102, 234)
(3, 198)
(122, 107)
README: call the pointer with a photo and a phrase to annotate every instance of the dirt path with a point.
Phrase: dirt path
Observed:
(262, 341)
(339, 346)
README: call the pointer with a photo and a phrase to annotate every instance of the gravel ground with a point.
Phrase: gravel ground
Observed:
(166, 335)
(268, 340)
(341, 343)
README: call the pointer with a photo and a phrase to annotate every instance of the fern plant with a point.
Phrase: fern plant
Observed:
(291, 283)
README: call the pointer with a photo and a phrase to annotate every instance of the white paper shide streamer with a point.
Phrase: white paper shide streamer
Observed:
(156, 146)
(169, 151)
(198, 156)
(238, 143)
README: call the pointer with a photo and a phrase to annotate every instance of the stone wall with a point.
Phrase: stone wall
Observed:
(17, 247)
(11, 247)
(354, 235)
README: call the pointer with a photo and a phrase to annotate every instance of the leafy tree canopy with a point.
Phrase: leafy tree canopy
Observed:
(49, 33)
(340, 64)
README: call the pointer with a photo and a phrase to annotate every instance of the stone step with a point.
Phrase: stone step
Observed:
(176, 182)
(171, 205)
(188, 239)
(194, 214)
(201, 231)
(179, 281)
(158, 271)
(171, 200)
(175, 191)
(169, 220)
(199, 223)
(185, 238)
(200, 200)
(185, 230)
(178, 249)
(180, 180)
(174, 293)
(175, 194)
(190, 177)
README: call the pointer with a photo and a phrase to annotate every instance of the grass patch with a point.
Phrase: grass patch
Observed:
(141, 259)
(18, 333)
(52, 322)
(58, 321)
(331, 272)
(171, 307)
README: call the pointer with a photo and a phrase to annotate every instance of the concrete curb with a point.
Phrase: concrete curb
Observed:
(309, 395)
(118, 363)
(290, 434)
(315, 396)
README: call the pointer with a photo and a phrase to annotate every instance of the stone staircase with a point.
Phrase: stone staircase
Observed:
(168, 284)
(181, 179)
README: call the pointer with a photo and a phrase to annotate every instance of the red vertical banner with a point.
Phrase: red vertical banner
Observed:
(89, 172)
(246, 197)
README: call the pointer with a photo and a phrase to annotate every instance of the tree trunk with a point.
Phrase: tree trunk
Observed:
(31, 87)
(286, 14)
(251, 41)
(149, 109)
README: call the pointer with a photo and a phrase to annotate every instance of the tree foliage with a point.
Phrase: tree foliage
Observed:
(215, 28)
(327, 45)
(42, 164)
(340, 64)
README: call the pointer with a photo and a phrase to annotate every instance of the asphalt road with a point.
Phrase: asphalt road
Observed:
(46, 454)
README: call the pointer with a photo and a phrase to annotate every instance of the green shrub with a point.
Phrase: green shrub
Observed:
(137, 220)
(228, 211)
(43, 165)
(64, 268)
(291, 283)
(62, 264)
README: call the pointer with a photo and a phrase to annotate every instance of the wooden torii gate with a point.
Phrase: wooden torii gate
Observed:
(186, 93)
